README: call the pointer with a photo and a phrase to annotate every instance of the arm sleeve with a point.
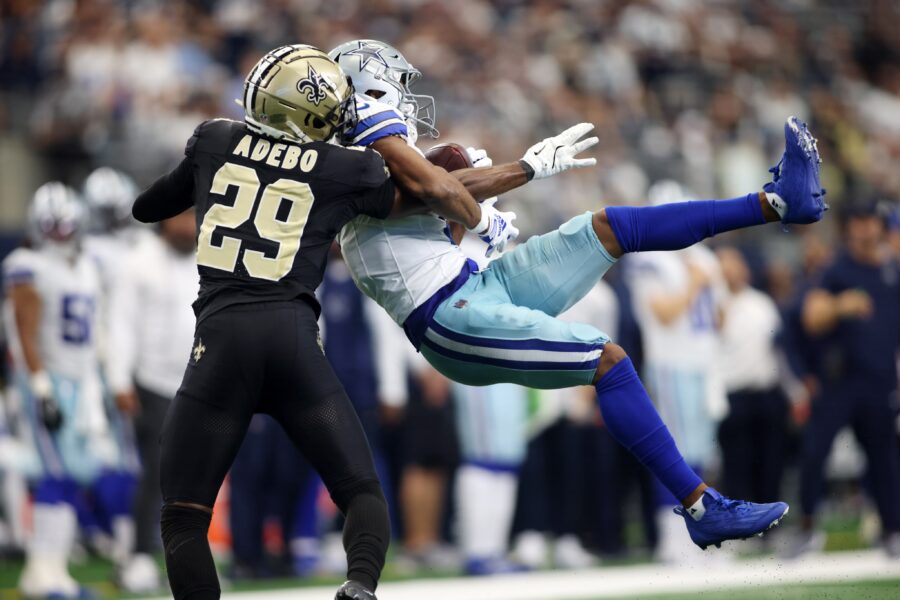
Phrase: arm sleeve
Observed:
(171, 194)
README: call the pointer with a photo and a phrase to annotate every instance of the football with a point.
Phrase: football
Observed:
(449, 156)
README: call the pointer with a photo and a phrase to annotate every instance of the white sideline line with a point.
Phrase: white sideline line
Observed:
(838, 567)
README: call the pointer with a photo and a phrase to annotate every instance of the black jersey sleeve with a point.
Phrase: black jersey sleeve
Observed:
(173, 193)
(376, 198)
(365, 177)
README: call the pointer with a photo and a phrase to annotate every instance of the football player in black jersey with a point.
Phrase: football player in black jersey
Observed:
(270, 195)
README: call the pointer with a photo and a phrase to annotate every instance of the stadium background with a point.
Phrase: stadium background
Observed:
(678, 89)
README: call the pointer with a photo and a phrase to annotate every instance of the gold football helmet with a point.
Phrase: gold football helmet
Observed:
(298, 93)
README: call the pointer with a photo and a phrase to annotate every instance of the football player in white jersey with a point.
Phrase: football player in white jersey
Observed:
(52, 293)
(500, 325)
(112, 233)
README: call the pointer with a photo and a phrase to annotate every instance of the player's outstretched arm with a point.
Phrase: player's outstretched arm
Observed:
(170, 195)
(548, 157)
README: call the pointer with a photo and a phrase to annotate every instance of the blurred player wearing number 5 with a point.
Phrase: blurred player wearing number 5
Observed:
(53, 292)
(270, 195)
(499, 324)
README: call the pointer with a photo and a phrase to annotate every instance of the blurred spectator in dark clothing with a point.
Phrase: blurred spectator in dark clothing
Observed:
(856, 305)
(750, 370)
(267, 477)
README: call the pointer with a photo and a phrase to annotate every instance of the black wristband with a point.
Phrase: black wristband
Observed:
(529, 171)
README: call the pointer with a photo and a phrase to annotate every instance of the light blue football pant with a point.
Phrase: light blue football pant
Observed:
(68, 453)
(501, 325)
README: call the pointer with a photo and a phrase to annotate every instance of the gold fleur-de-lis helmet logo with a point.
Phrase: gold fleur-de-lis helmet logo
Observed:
(315, 86)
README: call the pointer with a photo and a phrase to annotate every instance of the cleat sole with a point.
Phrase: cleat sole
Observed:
(759, 534)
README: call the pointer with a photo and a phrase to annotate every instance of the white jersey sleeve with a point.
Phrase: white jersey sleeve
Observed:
(376, 121)
(20, 267)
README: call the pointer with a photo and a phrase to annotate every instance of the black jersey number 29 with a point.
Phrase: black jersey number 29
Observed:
(286, 233)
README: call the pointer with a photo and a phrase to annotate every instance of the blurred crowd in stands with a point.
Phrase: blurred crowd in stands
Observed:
(757, 372)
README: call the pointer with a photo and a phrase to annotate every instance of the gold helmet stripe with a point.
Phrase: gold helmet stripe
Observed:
(262, 69)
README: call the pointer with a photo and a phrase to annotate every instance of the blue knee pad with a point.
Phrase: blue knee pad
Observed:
(56, 490)
(114, 493)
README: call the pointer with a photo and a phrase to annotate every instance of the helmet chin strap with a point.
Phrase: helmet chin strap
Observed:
(275, 133)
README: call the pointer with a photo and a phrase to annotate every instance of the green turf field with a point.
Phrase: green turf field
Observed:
(859, 590)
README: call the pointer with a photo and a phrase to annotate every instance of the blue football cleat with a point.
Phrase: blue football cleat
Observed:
(728, 519)
(796, 176)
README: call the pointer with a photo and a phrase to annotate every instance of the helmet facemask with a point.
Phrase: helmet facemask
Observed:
(418, 108)
(380, 71)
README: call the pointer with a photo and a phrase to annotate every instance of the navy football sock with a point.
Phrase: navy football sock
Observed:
(633, 421)
(676, 226)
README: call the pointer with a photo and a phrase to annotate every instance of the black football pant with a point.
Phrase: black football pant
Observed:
(753, 438)
(262, 357)
(867, 409)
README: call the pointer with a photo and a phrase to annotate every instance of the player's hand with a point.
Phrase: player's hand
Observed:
(479, 157)
(557, 154)
(698, 277)
(49, 413)
(481, 160)
(47, 407)
(128, 403)
(495, 227)
(854, 304)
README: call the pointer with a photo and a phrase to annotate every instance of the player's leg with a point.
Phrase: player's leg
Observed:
(632, 420)
(54, 522)
(830, 413)
(875, 427)
(492, 426)
(201, 435)
(477, 337)
(141, 574)
(794, 196)
(306, 397)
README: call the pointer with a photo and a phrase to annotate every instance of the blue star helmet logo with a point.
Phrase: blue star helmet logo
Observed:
(315, 85)
(367, 54)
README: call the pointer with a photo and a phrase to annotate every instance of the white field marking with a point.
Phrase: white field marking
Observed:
(641, 580)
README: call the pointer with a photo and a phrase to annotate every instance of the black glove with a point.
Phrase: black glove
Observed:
(49, 413)
(47, 407)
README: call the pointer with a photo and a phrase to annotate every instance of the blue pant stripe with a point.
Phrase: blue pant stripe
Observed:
(524, 365)
(526, 344)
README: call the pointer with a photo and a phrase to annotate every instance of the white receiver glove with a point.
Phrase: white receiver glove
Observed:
(557, 154)
(495, 227)
(479, 157)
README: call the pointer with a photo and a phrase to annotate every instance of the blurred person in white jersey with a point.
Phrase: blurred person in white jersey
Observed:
(53, 290)
(110, 236)
(152, 327)
(678, 299)
(499, 325)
